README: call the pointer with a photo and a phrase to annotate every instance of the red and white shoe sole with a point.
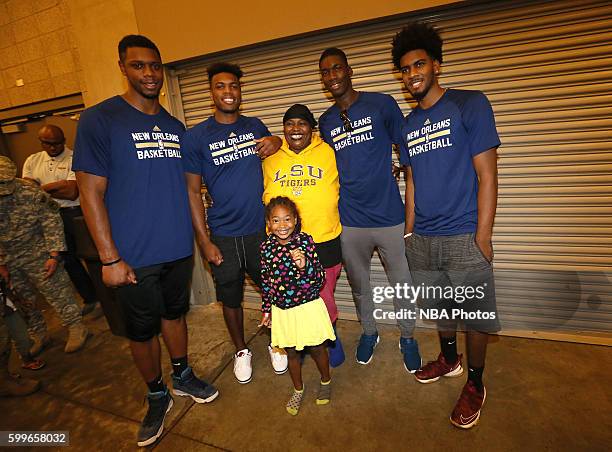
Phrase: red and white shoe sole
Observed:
(457, 372)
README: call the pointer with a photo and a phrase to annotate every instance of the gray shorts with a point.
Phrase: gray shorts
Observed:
(454, 281)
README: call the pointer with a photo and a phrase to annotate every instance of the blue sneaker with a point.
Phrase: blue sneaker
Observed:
(152, 425)
(412, 357)
(336, 352)
(365, 349)
(190, 385)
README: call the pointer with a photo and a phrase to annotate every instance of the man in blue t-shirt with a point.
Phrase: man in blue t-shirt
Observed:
(362, 127)
(451, 197)
(224, 151)
(127, 160)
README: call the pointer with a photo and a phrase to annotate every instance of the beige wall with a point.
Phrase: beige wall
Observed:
(98, 27)
(37, 46)
(187, 28)
(61, 47)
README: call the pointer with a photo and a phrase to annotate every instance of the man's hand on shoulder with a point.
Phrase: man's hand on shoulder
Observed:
(268, 146)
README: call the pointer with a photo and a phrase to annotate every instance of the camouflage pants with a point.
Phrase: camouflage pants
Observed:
(27, 277)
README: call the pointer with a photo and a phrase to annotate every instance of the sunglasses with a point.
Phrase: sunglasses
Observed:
(346, 122)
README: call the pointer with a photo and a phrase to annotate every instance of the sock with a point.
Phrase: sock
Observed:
(157, 385)
(449, 348)
(179, 365)
(324, 383)
(475, 376)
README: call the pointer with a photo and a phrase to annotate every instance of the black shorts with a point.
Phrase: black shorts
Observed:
(240, 255)
(162, 292)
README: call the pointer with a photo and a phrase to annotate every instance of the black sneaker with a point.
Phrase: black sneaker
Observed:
(190, 385)
(153, 423)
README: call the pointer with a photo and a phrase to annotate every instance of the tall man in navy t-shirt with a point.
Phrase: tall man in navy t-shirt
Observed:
(362, 127)
(224, 151)
(128, 166)
(451, 198)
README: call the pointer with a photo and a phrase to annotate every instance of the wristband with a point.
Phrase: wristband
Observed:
(407, 235)
(108, 264)
(57, 258)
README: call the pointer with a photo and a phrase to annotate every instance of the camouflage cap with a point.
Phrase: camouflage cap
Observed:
(8, 170)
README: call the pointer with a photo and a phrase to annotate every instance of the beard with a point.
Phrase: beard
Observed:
(146, 94)
(420, 95)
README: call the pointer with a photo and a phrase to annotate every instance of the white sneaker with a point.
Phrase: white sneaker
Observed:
(242, 366)
(278, 357)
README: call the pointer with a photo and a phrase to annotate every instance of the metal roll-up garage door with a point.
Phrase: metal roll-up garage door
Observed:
(545, 66)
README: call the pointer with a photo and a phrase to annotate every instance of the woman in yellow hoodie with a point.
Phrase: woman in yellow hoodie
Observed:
(304, 170)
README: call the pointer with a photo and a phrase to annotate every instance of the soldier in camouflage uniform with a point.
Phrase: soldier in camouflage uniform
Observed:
(31, 237)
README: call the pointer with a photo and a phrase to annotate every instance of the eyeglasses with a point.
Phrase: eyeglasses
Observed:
(346, 122)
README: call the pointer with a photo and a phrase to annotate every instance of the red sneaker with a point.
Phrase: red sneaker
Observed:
(433, 370)
(35, 364)
(467, 410)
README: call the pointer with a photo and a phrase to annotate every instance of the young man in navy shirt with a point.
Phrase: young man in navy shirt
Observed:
(362, 127)
(451, 198)
(224, 151)
(128, 167)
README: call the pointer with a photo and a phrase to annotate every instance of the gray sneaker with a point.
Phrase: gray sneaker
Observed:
(190, 385)
(152, 425)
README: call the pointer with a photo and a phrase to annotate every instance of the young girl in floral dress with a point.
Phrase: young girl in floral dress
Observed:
(292, 277)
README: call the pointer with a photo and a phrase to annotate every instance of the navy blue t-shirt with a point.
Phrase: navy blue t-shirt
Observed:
(224, 155)
(369, 195)
(441, 142)
(146, 194)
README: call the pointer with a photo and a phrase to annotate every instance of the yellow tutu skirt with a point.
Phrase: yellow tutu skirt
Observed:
(302, 326)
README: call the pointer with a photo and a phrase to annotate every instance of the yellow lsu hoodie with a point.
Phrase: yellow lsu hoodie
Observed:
(310, 179)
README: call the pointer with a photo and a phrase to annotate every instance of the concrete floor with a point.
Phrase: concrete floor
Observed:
(541, 395)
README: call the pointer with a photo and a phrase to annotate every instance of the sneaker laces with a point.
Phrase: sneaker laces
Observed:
(240, 358)
(432, 365)
(242, 353)
(368, 339)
